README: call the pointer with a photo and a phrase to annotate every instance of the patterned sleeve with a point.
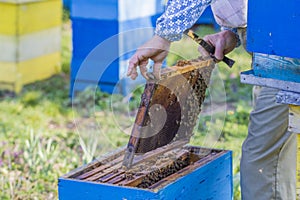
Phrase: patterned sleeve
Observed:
(179, 16)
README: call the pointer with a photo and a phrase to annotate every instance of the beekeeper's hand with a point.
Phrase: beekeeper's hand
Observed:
(224, 42)
(155, 49)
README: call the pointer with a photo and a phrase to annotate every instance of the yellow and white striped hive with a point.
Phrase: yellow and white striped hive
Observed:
(30, 32)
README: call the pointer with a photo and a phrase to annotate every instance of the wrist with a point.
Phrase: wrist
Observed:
(162, 39)
(235, 31)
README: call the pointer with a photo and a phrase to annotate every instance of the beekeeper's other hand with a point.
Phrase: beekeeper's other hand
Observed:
(155, 49)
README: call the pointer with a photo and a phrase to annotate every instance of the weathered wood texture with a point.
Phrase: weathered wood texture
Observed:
(286, 97)
(248, 77)
(276, 67)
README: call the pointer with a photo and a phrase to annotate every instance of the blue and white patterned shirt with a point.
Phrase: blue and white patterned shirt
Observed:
(182, 14)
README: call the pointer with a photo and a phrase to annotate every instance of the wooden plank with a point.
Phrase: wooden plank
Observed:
(106, 171)
(19, 19)
(276, 67)
(116, 180)
(111, 176)
(79, 190)
(294, 119)
(100, 168)
(15, 48)
(119, 10)
(134, 182)
(248, 77)
(40, 43)
(287, 97)
(9, 72)
(18, 74)
(40, 68)
(95, 163)
(8, 19)
(158, 151)
(213, 180)
(145, 9)
(19, 1)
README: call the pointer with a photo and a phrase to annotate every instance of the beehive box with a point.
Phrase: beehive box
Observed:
(274, 71)
(273, 28)
(181, 173)
(272, 35)
(276, 67)
(30, 41)
(105, 35)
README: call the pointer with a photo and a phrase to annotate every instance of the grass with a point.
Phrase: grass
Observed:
(43, 137)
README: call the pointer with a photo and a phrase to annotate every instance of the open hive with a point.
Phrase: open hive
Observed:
(165, 168)
(168, 172)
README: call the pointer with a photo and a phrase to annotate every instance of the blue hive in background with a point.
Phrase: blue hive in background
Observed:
(67, 4)
(105, 34)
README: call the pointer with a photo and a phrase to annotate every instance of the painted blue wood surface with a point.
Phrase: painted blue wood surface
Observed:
(103, 65)
(67, 4)
(109, 71)
(273, 27)
(93, 23)
(212, 181)
(95, 9)
(88, 33)
(276, 67)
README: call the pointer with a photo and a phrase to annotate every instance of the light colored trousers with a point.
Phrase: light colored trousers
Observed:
(268, 164)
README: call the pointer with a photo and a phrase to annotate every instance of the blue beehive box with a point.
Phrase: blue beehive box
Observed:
(276, 67)
(105, 35)
(67, 4)
(209, 177)
(273, 27)
(273, 35)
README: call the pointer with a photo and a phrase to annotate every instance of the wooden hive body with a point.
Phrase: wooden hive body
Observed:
(207, 178)
(124, 25)
(30, 37)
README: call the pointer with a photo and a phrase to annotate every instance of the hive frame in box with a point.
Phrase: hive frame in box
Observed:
(210, 178)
